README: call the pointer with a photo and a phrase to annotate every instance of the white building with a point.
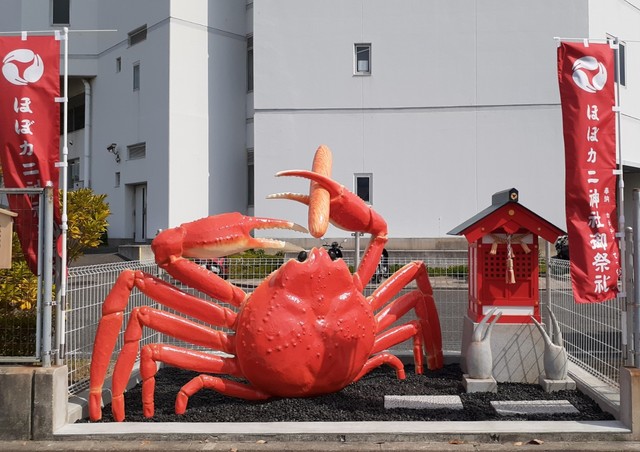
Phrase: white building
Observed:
(433, 105)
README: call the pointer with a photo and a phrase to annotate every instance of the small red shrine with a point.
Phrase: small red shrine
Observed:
(504, 258)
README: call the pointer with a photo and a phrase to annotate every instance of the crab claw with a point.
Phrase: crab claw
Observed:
(218, 236)
(347, 210)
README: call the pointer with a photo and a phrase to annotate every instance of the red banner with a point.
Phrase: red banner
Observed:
(586, 78)
(30, 127)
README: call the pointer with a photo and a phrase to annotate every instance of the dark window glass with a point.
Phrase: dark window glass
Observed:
(75, 113)
(250, 178)
(363, 58)
(60, 12)
(138, 35)
(620, 77)
(250, 63)
(136, 77)
(362, 188)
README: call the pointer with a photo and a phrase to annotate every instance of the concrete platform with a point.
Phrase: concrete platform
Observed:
(507, 407)
(346, 432)
(423, 402)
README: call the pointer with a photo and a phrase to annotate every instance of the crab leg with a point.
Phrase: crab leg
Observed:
(379, 360)
(396, 335)
(162, 322)
(210, 237)
(223, 386)
(177, 357)
(113, 315)
(348, 212)
(421, 300)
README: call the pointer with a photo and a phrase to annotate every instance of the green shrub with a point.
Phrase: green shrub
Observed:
(87, 222)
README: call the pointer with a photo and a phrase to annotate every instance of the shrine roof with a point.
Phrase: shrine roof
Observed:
(494, 217)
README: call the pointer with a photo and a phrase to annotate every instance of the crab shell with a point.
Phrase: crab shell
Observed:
(305, 330)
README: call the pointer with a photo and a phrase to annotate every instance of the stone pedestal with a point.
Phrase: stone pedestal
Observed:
(517, 349)
(556, 385)
(479, 384)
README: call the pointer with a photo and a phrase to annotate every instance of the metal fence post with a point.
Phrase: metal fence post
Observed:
(635, 326)
(626, 315)
(47, 270)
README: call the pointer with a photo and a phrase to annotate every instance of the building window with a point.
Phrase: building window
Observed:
(73, 181)
(620, 62)
(364, 187)
(75, 114)
(362, 59)
(118, 64)
(138, 35)
(137, 151)
(117, 181)
(60, 12)
(136, 76)
(250, 63)
(250, 178)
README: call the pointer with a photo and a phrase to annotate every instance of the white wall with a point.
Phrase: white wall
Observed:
(462, 102)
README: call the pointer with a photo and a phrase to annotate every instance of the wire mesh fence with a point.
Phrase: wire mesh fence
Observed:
(88, 286)
(591, 332)
(19, 310)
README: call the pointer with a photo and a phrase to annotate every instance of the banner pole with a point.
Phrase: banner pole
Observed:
(47, 269)
(620, 195)
(621, 219)
(61, 307)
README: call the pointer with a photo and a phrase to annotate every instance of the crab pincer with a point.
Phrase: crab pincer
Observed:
(347, 210)
(218, 236)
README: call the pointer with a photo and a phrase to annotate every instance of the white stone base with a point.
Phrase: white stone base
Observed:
(479, 384)
(556, 385)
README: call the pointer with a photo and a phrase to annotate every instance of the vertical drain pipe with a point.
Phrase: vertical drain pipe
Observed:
(636, 276)
(87, 133)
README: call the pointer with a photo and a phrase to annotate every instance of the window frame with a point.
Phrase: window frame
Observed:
(136, 76)
(621, 63)
(137, 151)
(137, 35)
(358, 49)
(73, 166)
(250, 178)
(250, 63)
(369, 177)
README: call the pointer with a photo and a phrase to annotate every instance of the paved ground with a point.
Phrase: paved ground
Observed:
(270, 446)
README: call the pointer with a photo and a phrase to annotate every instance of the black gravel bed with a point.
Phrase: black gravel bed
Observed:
(361, 401)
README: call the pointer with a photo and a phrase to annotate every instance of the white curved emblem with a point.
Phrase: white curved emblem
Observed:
(30, 74)
(584, 77)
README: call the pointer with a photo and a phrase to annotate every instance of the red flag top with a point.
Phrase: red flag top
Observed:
(30, 127)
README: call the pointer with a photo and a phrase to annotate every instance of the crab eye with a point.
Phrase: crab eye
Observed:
(302, 256)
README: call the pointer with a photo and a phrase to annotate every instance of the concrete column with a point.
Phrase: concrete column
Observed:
(33, 401)
(630, 397)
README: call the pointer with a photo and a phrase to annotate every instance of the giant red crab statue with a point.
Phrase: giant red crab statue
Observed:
(307, 329)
